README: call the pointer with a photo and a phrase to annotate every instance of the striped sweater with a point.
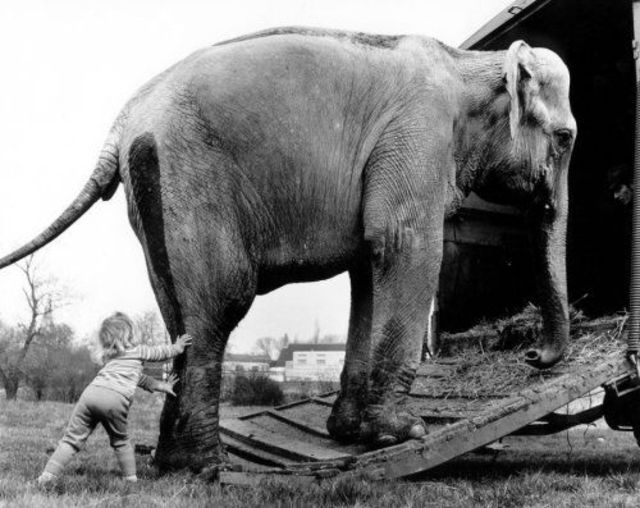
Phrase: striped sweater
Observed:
(124, 372)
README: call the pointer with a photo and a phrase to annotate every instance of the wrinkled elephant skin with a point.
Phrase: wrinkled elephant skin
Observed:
(296, 154)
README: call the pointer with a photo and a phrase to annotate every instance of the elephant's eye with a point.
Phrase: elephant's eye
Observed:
(563, 139)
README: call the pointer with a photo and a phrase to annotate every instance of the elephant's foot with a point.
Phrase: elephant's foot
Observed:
(189, 441)
(189, 436)
(345, 419)
(387, 420)
(196, 453)
(388, 423)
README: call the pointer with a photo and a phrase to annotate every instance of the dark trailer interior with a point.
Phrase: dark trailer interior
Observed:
(489, 273)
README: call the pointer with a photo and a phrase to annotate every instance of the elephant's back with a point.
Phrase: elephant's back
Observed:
(270, 135)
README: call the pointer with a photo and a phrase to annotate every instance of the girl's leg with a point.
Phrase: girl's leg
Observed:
(127, 461)
(114, 414)
(80, 427)
(63, 454)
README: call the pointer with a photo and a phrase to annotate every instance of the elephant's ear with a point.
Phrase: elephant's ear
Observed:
(518, 78)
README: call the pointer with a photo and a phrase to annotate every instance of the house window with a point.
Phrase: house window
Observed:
(321, 359)
(239, 368)
(302, 359)
(254, 368)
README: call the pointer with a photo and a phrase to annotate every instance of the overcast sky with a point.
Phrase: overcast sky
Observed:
(67, 69)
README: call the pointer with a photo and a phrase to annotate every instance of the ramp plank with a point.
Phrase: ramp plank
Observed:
(488, 426)
(460, 417)
(284, 441)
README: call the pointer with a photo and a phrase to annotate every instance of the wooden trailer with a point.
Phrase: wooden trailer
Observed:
(469, 398)
(478, 390)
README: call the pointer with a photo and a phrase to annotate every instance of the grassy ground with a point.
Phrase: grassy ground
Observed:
(584, 467)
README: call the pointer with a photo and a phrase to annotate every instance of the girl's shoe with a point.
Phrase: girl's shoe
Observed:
(46, 480)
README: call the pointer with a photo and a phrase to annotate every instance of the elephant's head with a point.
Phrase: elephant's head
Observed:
(526, 161)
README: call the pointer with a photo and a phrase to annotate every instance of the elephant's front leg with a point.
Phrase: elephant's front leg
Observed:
(404, 282)
(405, 193)
(346, 415)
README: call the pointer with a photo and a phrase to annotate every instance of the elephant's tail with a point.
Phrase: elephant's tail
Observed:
(102, 183)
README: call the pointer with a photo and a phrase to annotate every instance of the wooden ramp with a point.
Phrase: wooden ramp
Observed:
(450, 395)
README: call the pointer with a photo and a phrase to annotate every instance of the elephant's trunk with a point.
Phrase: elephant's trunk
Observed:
(549, 236)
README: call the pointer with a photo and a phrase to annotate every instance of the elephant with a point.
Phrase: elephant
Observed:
(295, 154)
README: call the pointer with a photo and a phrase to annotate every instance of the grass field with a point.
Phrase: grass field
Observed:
(588, 466)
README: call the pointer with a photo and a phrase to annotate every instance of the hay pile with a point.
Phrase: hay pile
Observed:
(491, 361)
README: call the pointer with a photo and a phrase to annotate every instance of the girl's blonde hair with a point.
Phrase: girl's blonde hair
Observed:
(117, 334)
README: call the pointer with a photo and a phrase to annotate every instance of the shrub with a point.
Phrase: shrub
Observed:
(73, 371)
(226, 387)
(302, 389)
(55, 369)
(256, 390)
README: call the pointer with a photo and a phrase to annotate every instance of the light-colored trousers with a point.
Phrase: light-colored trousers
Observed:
(96, 405)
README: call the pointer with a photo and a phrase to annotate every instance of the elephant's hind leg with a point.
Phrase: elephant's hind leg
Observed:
(212, 307)
(204, 283)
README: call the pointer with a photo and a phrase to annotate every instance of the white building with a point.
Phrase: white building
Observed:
(309, 362)
(238, 364)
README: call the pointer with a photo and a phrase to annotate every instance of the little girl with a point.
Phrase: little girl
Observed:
(108, 398)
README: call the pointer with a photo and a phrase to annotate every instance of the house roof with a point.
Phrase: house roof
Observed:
(233, 357)
(286, 355)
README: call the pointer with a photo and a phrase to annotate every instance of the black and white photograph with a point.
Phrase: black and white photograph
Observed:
(304, 253)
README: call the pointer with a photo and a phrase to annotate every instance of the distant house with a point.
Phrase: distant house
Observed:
(309, 362)
(240, 363)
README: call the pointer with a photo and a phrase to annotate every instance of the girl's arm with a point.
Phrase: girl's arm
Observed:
(147, 383)
(161, 353)
(153, 385)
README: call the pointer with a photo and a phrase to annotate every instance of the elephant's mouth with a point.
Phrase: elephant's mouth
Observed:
(518, 191)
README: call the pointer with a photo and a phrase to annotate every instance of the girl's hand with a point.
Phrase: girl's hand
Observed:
(167, 386)
(183, 341)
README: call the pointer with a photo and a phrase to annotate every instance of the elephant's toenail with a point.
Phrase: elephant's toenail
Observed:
(417, 431)
(386, 440)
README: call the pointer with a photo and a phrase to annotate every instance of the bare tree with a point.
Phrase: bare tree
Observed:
(9, 351)
(47, 355)
(42, 299)
(270, 346)
(331, 338)
(73, 371)
(151, 328)
(153, 332)
(315, 339)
